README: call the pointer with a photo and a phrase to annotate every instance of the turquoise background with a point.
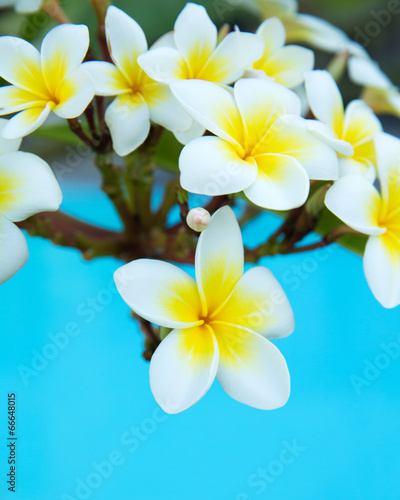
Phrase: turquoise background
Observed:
(92, 401)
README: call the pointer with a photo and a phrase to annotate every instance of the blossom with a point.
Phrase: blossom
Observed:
(263, 146)
(51, 80)
(198, 219)
(285, 65)
(350, 132)
(304, 28)
(139, 97)
(359, 204)
(220, 324)
(27, 186)
(23, 6)
(379, 92)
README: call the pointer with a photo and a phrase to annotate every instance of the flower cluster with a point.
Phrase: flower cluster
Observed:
(253, 117)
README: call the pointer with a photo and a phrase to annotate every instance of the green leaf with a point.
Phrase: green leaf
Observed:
(57, 133)
(167, 152)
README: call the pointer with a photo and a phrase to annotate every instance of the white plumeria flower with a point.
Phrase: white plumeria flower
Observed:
(350, 132)
(27, 186)
(304, 28)
(139, 97)
(220, 324)
(359, 204)
(285, 65)
(263, 146)
(51, 80)
(379, 92)
(23, 6)
(191, 51)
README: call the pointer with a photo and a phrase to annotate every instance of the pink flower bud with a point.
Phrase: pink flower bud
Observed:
(198, 219)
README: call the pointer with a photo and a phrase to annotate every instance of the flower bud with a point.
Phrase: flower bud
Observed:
(198, 219)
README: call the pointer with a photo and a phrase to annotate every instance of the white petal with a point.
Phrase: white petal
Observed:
(233, 55)
(219, 259)
(367, 73)
(26, 122)
(107, 78)
(195, 34)
(164, 108)
(74, 94)
(382, 269)
(258, 303)
(164, 65)
(350, 166)
(7, 145)
(128, 119)
(289, 64)
(388, 159)
(357, 203)
(126, 40)
(325, 99)
(167, 40)
(279, 8)
(62, 51)
(273, 33)
(360, 122)
(251, 369)
(159, 292)
(193, 132)
(281, 184)
(13, 249)
(324, 132)
(212, 106)
(14, 99)
(212, 167)
(289, 135)
(20, 65)
(27, 186)
(27, 6)
(183, 368)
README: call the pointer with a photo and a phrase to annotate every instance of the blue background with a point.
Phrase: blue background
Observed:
(93, 399)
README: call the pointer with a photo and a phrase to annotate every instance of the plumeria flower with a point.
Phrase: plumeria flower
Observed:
(359, 204)
(285, 65)
(220, 323)
(350, 132)
(22, 6)
(379, 92)
(139, 98)
(27, 186)
(263, 146)
(51, 80)
(307, 29)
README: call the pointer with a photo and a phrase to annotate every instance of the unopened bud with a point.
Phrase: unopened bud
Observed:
(198, 219)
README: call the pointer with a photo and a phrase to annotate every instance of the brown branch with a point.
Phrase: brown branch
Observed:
(54, 10)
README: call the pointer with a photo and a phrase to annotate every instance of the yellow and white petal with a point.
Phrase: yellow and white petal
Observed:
(387, 149)
(233, 55)
(289, 135)
(27, 6)
(280, 8)
(325, 133)
(74, 94)
(212, 167)
(251, 369)
(212, 106)
(258, 304)
(357, 203)
(20, 65)
(13, 249)
(164, 108)
(382, 268)
(164, 65)
(289, 64)
(260, 103)
(14, 99)
(107, 78)
(281, 184)
(367, 73)
(273, 32)
(63, 50)
(7, 145)
(159, 292)
(183, 368)
(351, 166)
(128, 119)
(360, 123)
(27, 186)
(219, 259)
(325, 99)
(26, 122)
(193, 132)
(195, 36)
